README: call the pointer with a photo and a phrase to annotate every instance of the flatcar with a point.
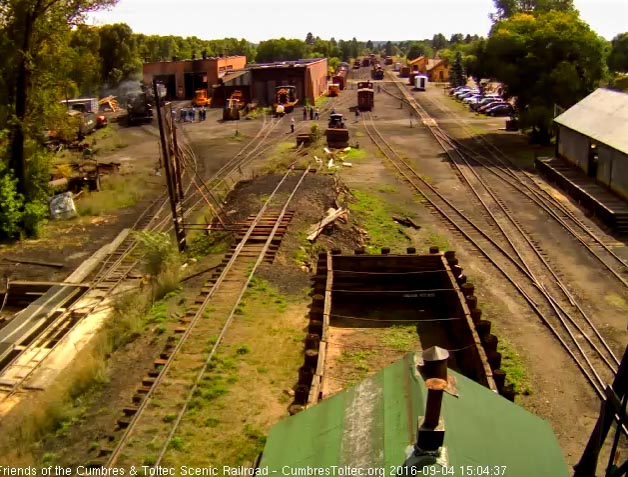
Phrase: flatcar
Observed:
(366, 95)
(286, 96)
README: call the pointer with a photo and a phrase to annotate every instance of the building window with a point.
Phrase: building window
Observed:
(221, 69)
(229, 67)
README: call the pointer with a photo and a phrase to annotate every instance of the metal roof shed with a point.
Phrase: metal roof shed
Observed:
(602, 116)
(374, 424)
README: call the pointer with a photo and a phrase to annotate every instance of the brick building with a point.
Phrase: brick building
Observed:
(258, 81)
(183, 77)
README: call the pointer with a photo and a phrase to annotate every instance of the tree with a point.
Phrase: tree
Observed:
(354, 50)
(618, 57)
(456, 38)
(309, 39)
(280, 50)
(369, 45)
(118, 51)
(417, 48)
(508, 8)
(457, 72)
(31, 26)
(475, 63)
(388, 48)
(439, 41)
(544, 59)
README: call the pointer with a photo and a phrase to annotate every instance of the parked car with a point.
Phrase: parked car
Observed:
(457, 89)
(484, 101)
(472, 99)
(486, 107)
(461, 91)
(501, 110)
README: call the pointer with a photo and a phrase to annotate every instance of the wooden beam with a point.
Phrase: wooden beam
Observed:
(34, 262)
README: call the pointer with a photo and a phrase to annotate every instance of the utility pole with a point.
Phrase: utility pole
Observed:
(169, 168)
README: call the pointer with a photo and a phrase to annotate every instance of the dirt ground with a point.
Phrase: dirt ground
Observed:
(559, 393)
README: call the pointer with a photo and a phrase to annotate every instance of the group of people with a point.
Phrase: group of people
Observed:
(313, 112)
(189, 114)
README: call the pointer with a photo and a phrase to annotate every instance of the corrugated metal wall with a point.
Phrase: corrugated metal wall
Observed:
(574, 147)
(613, 169)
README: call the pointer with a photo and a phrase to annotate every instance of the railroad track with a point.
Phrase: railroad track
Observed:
(593, 357)
(500, 165)
(179, 373)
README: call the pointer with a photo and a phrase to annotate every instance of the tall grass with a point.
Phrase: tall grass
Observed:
(117, 192)
(161, 261)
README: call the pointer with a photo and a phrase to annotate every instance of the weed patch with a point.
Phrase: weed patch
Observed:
(616, 301)
(513, 366)
(376, 217)
(117, 192)
(400, 337)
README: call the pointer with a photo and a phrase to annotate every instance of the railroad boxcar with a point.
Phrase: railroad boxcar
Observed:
(420, 82)
(388, 60)
(366, 61)
(366, 95)
(404, 72)
(340, 79)
(286, 96)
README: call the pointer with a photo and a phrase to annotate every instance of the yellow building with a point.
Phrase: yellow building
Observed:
(436, 69)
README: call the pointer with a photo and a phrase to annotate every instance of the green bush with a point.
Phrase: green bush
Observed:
(12, 204)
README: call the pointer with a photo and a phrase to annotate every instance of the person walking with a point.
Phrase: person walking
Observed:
(311, 114)
(193, 112)
(291, 124)
(183, 117)
(304, 113)
(316, 114)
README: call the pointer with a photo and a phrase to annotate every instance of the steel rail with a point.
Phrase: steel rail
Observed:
(447, 217)
(228, 321)
(164, 371)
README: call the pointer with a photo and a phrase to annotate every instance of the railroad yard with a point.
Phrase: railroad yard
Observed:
(200, 375)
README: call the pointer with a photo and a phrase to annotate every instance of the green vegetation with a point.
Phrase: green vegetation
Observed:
(386, 188)
(117, 192)
(375, 215)
(353, 154)
(200, 244)
(513, 366)
(516, 52)
(359, 359)
(400, 337)
(617, 301)
(435, 240)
